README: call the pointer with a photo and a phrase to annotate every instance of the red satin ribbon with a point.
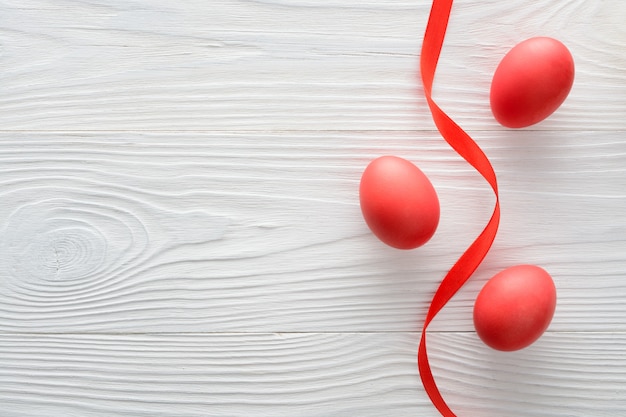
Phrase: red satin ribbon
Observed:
(465, 146)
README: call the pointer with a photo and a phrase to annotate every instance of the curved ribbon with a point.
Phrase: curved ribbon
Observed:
(465, 146)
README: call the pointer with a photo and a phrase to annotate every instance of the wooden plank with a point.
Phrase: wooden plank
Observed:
(199, 232)
(267, 65)
(573, 375)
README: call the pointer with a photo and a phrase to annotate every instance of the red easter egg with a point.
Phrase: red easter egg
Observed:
(398, 202)
(515, 307)
(531, 82)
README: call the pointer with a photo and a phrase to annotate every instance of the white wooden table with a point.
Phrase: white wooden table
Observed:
(180, 232)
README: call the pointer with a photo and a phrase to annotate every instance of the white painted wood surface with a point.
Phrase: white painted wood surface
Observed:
(179, 224)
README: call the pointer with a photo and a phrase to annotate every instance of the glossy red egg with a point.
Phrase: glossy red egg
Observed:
(398, 202)
(515, 307)
(531, 82)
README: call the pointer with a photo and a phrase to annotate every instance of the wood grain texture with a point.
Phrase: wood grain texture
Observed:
(262, 231)
(180, 233)
(348, 374)
(229, 64)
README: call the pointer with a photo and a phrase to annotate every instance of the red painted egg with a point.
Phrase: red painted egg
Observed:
(515, 307)
(531, 82)
(398, 202)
